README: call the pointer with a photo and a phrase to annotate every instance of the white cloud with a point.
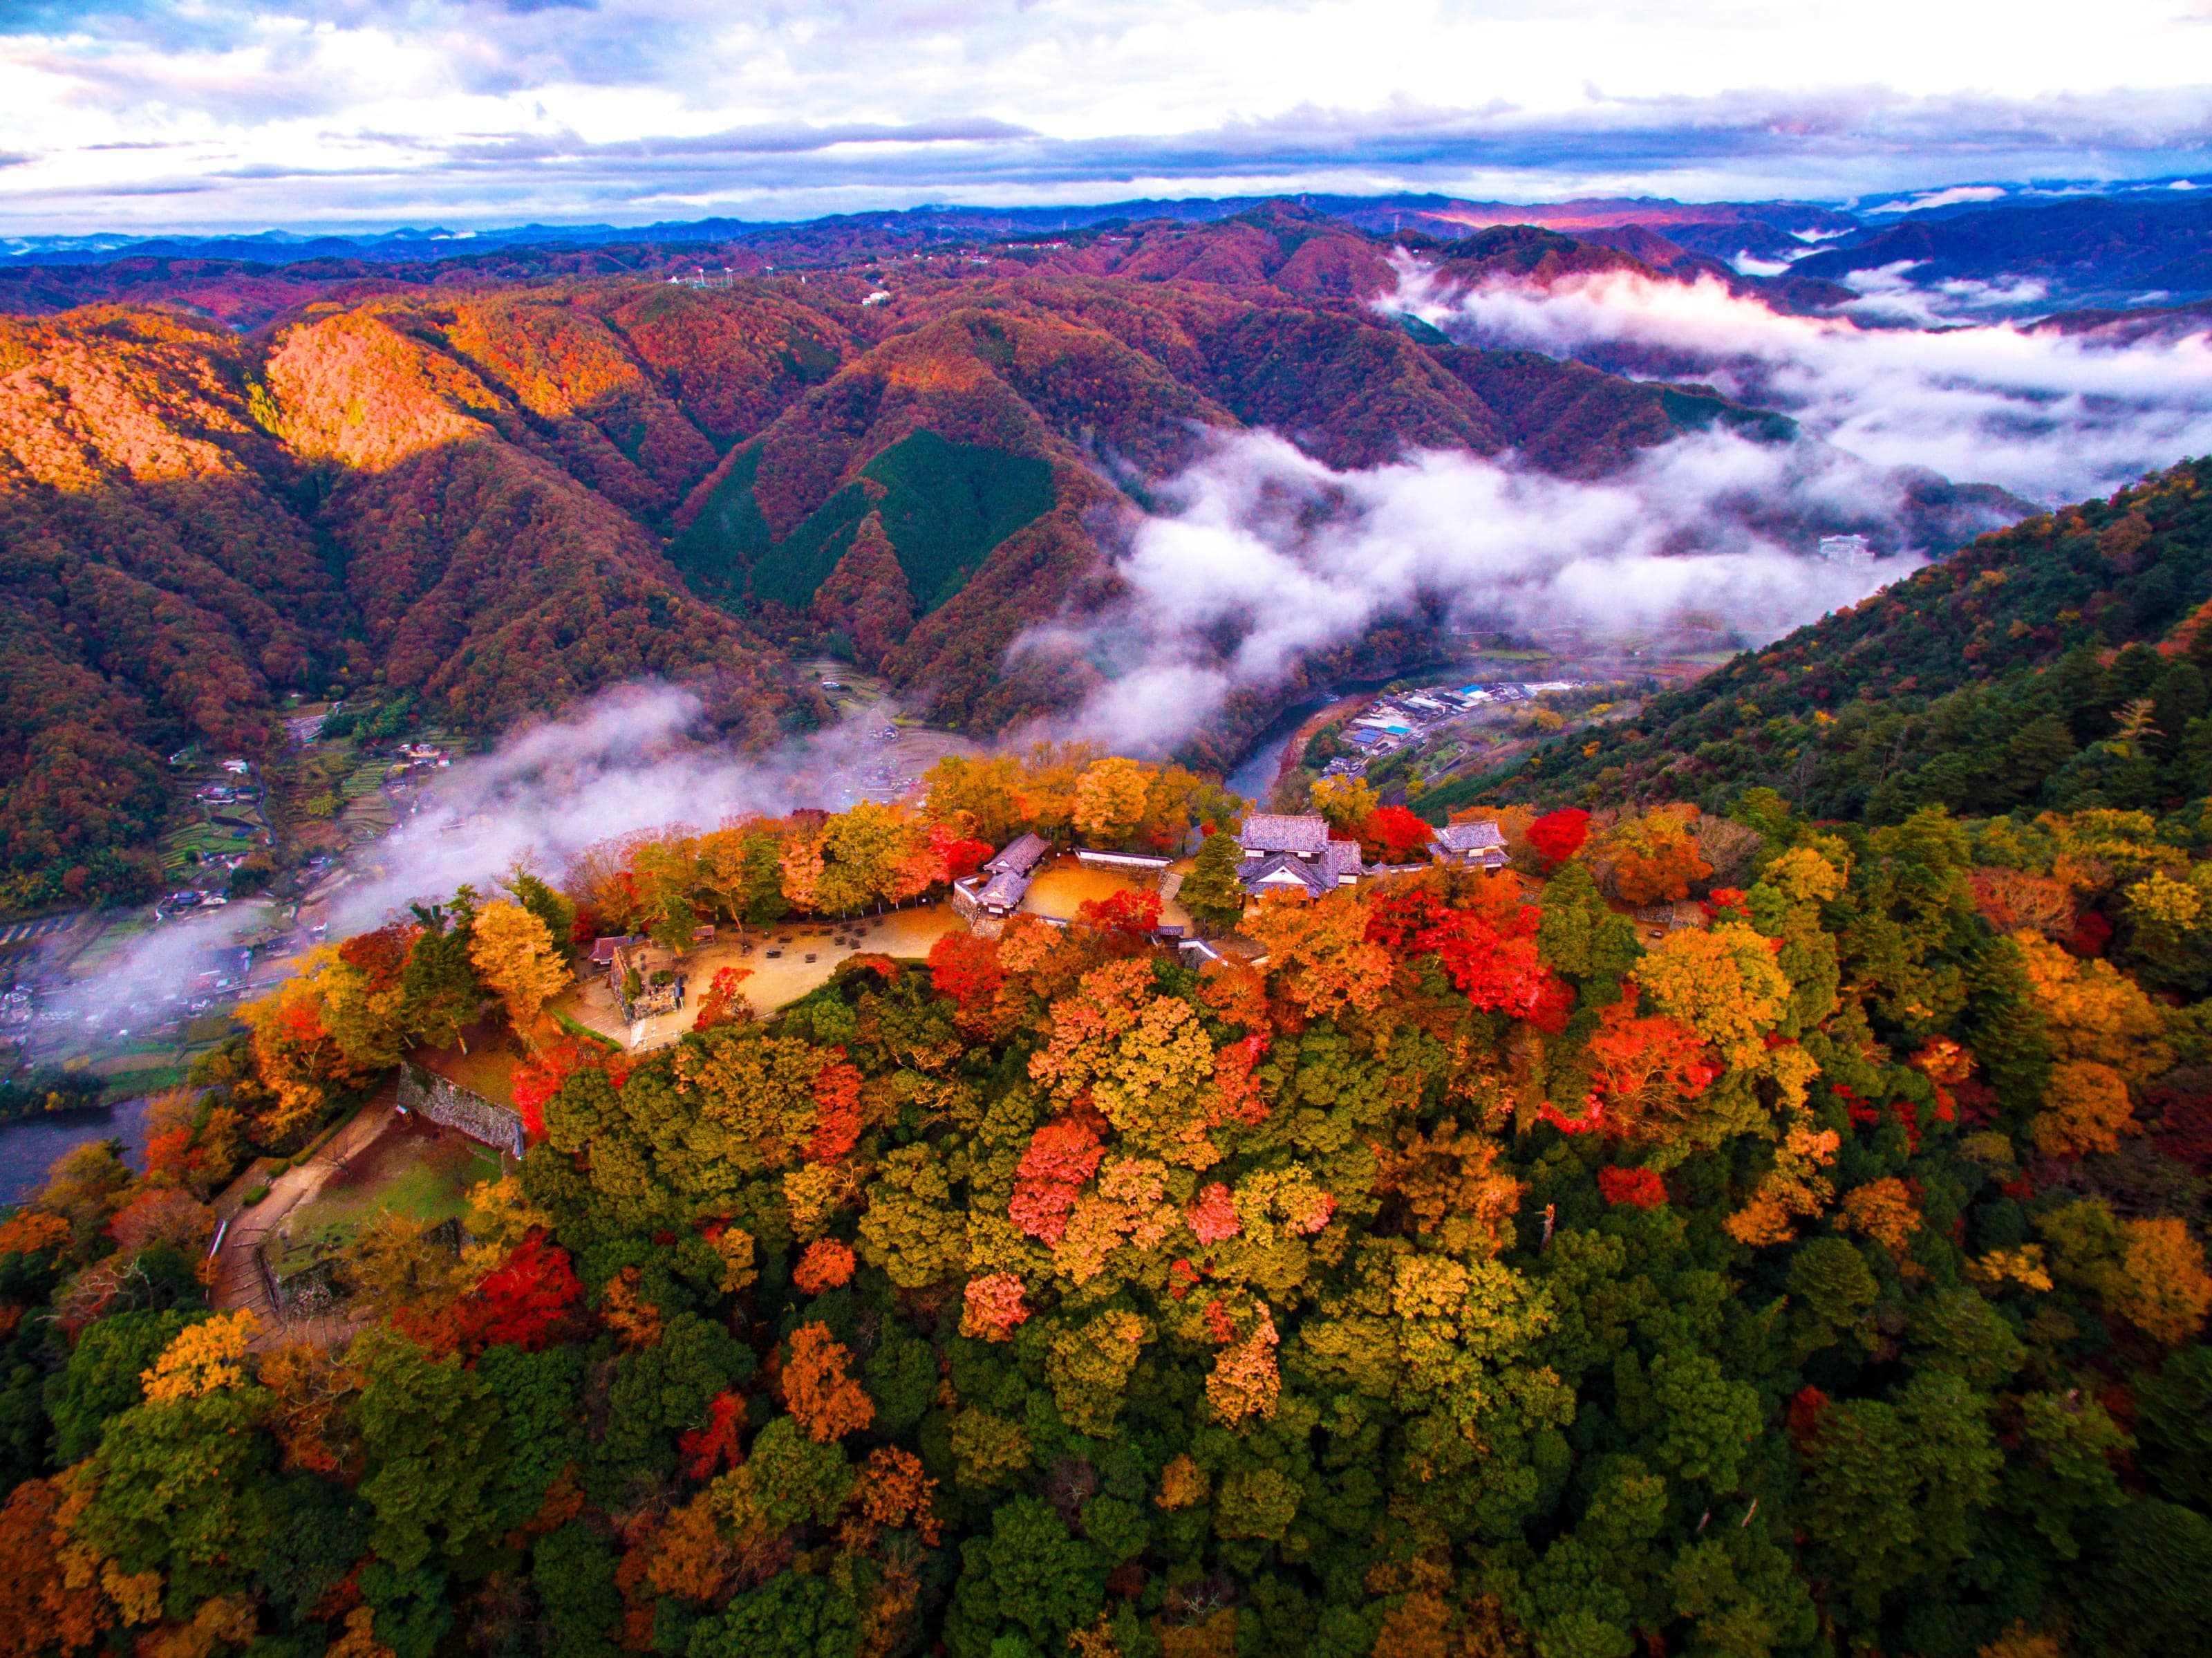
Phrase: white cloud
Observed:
(1267, 555)
(342, 110)
(2047, 416)
(1280, 556)
(630, 759)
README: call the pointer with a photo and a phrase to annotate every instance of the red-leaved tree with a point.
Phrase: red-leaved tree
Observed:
(527, 1303)
(837, 1110)
(1642, 1188)
(1560, 835)
(966, 969)
(542, 1075)
(725, 995)
(1123, 920)
(825, 1264)
(959, 856)
(707, 1450)
(1488, 950)
(1062, 1156)
(1392, 835)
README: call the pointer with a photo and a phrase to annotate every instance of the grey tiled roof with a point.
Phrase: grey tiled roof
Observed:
(1004, 890)
(1255, 873)
(1469, 837)
(1268, 832)
(1021, 856)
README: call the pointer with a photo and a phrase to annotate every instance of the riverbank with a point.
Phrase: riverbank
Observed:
(30, 1145)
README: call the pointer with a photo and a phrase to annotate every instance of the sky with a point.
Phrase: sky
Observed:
(225, 115)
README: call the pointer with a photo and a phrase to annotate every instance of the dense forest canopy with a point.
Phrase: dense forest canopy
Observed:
(2059, 662)
(1767, 1217)
(1715, 1233)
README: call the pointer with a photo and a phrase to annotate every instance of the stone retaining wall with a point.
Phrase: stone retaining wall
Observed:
(441, 1100)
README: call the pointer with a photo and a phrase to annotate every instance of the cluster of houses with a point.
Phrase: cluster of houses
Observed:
(1286, 854)
(1395, 721)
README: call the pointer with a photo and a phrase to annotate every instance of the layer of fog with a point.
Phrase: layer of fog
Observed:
(629, 759)
(1266, 555)
(1270, 556)
(636, 756)
(2049, 415)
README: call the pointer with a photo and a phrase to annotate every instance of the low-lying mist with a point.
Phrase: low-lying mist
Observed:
(1271, 555)
(2050, 416)
(632, 758)
(1266, 554)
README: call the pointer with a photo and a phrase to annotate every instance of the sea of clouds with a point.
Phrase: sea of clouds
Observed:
(1263, 554)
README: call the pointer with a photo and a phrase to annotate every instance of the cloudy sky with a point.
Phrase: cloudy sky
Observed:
(131, 114)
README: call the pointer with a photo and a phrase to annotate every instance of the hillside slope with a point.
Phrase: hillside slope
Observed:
(2059, 662)
(1109, 361)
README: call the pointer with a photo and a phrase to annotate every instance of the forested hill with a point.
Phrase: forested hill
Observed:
(2062, 661)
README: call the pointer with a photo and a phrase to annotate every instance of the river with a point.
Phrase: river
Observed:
(1254, 779)
(29, 1145)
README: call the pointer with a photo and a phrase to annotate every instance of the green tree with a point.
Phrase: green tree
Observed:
(573, 1569)
(2174, 1417)
(1029, 1579)
(1891, 1487)
(439, 988)
(1581, 937)
(1707, 1419)
(318, 1532)
(413, 1608)
(2148, 1591)
(787, 1617)
(183, 1490)
(663, 1388)
(547, 903)
(434, 1445)
(1211, 891)
(101, 1379)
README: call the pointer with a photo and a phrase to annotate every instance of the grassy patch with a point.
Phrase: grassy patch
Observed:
(425, 1179)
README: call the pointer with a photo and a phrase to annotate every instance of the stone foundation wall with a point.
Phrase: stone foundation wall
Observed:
(430, 1095)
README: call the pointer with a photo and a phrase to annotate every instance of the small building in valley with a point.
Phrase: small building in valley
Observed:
(1265, 834)
(1283, 854)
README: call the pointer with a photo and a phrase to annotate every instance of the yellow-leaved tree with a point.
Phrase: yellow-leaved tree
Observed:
(203, 1358)
(1109, 799)
(514, 954)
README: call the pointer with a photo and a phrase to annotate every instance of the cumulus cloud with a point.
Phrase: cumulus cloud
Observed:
(2049, 415)
(476, 112)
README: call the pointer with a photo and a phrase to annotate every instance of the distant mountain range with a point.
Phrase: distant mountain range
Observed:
(2050, 246)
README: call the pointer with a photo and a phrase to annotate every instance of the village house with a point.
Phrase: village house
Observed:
(1474, 845)
(998, 888)
(1287, 854)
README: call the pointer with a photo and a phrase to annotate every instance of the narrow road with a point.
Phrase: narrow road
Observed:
(238, 1280)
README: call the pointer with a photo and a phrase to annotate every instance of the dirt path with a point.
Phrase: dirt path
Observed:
(238, 1282)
